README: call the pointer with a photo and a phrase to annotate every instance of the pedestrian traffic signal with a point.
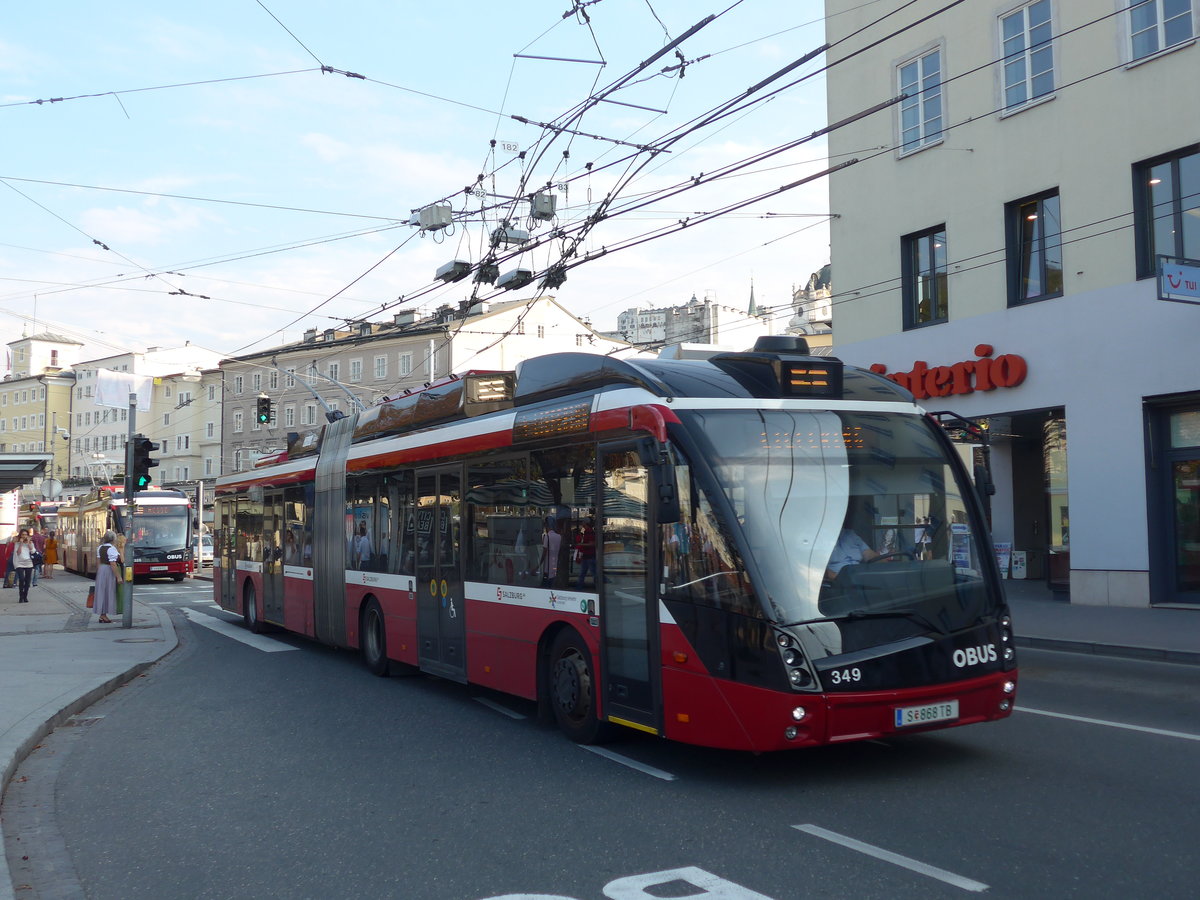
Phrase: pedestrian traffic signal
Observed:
(142, 463)
(263, 416)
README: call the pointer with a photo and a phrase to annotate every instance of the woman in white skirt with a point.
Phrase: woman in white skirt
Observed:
(107, 574)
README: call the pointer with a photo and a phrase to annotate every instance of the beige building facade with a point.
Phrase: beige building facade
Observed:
(1000, 254)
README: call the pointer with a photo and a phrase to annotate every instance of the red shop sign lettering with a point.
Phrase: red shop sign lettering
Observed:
(984, 374)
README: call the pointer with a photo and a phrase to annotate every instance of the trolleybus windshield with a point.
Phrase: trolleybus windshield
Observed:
(797, 479)
(160, 527)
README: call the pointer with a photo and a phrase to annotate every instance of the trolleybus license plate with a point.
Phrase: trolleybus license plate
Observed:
(923, 715)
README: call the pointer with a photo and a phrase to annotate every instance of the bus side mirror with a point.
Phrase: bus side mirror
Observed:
(667, 505)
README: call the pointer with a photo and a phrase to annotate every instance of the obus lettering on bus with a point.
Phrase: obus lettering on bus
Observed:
(975, 656)
(984, 374)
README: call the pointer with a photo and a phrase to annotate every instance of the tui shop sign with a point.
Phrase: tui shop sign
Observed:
(982, 374)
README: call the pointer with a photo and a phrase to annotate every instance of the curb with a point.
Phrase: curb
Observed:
(1092, 648)
(27, 746)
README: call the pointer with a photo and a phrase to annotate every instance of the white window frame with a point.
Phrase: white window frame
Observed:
(920, 98)
(381, 367)
(1036, 44)
(1159, 28)
(404, 364)
(238, 384)
(334, 371)
(289, 417)
(237, 421)
(355, 370)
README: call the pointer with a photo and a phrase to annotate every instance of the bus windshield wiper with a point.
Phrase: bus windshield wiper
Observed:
(911, 614)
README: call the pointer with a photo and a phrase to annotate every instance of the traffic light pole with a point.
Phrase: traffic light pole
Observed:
(130, 504)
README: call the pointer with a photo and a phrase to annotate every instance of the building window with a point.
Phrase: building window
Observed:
(923, 269)
(356, 370)
(210, 429)
(310, 414)
(54, 357)
(209, 468)
(290, 380)
(404, 364)
(256, 380)
(237, 420)
(541, 332)
(335, 370)
(920, 80)
(1025, 37)
(166, 419)
(289, 416)
(1034, 232)
(212, 392)
(1167, 209)
(237, 384)
(273, 380)
(1158, 24)
(381, 367)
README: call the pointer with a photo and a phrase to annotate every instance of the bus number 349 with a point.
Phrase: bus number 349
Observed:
(845, 676)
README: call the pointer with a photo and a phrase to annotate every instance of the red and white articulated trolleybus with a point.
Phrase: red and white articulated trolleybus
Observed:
(162, 531)
(659, 544)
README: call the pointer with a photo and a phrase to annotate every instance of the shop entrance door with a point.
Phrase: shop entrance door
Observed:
(1175, 510)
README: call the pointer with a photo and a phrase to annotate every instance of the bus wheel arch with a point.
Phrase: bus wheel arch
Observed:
(570, 686)
(372, 637)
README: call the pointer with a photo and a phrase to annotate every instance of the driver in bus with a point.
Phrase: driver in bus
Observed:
(849, 550)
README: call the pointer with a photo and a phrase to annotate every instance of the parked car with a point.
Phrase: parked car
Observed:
(206, 550)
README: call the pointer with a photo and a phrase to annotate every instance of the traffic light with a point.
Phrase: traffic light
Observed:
(263, 416)
(142, 463)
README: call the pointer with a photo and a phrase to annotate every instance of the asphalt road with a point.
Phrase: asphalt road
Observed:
(231, 771)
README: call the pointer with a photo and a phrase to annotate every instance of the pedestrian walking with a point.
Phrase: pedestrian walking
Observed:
(106, 578)
(22, 557)
(39, 552)
(51, 555)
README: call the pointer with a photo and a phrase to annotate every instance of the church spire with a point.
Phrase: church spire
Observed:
(753, 310)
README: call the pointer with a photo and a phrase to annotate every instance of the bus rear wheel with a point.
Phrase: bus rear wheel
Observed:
(250, 610)
(572, 685)
(372, 639)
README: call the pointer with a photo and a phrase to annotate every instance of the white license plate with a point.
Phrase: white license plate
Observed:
(159, 568)
(923, 715)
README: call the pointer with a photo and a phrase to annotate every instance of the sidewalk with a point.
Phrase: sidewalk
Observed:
(1040, 620)
(56, 660)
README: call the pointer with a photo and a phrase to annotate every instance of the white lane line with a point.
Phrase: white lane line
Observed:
(631, 763)
(257, 641)
(1142, 728)
(921, 868)
(503, 710)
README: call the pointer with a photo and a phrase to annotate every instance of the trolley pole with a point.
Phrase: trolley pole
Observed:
(130, 505)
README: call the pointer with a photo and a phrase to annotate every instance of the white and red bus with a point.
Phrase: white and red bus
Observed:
(450, 531)
(161, 546)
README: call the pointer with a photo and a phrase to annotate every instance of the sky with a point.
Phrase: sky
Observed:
(232, 173)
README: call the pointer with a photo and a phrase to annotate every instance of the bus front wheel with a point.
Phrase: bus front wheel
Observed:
(573, 686)
(372, 639)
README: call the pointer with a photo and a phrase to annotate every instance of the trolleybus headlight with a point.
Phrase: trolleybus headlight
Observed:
(799, 713)
(1008, 687)
(798, 677)
(783, 640)
(1006, 622)
(1005, 705)
(791, 732)
(1009, 653)
(792, 656)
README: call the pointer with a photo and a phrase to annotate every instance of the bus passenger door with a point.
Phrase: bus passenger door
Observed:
(628, 613)
(272, 538)
(441, 630)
